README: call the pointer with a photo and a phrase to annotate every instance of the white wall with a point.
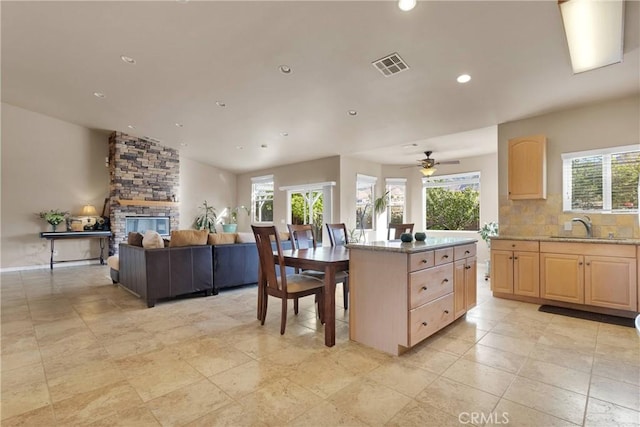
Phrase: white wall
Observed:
(47, 164)
(200, 182)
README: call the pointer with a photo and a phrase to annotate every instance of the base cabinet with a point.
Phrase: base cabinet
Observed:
(515, 268)
(465, 285)
(609, 282)
(562, 277)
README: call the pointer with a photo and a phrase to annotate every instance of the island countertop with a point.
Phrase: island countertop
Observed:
(430, 243)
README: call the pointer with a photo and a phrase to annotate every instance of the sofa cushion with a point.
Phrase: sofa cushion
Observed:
(221, 238)
(152, 240)
(244, 237)
(134, 238)
(114, 262)
(181, 238)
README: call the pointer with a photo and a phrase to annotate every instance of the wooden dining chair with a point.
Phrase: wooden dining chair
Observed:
(302, 237)
(398, 230)
(338, 237)
(285, 286)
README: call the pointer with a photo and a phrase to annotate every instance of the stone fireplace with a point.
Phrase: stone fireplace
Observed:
(144, 181)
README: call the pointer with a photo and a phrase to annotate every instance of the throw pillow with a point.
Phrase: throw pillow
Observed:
(245, 238)
(181, 238)
(221, 238)
(134, 239)
(152, 240)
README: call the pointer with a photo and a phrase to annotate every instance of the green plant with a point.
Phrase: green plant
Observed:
(53, 216)
(488, 229)
(380, 204)
(233, 213)
(207, 218)
(452, 210)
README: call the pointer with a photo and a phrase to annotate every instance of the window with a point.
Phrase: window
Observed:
(365, 189)
(603, 181)
(307, 208)
(452, 202)
(397, 188)
(262, 199)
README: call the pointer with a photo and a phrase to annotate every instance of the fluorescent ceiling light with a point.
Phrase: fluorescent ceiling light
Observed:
(594, 30)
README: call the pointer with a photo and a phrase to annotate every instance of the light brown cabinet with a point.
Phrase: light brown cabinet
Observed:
(464, 279)
(601, 275)
(527, 168)
(515, 267)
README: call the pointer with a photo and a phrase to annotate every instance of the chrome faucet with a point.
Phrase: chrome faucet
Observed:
(586, 223)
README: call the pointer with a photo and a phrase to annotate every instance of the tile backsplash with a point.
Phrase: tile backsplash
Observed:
(545, 218)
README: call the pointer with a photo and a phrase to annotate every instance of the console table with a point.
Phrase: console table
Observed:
(53, 236)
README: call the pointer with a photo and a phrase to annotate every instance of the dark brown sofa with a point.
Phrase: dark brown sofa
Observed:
(155, 274)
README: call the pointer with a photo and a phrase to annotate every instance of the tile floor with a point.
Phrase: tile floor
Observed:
(77, 350)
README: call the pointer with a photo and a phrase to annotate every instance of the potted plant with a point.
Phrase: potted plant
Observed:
(488, 229)
(53, 217)
(232, 225)
(207, 218)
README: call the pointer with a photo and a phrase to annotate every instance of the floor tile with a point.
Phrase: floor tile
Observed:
(569, 358)
(455, 398)
(617, 371)
(402, 377)
(168, 377)
(244, 379)
(556, 375)
(418, 414)
(232, 415)
(325, 415)
(42, 416)
(600, 413)
(511, 413)
(489, 356)
(622, 394)
(479, 376)
(427, 358)
(138, 417)
(506, 343)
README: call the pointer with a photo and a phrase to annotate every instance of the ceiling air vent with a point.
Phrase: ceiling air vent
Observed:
(390, 65)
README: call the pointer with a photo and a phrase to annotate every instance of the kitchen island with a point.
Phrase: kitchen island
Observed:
(402, 293)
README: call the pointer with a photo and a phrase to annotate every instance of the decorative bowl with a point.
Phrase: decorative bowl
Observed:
(406, 237)
(420, 236)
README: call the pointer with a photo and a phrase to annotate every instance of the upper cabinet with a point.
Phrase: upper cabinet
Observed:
(528, 168)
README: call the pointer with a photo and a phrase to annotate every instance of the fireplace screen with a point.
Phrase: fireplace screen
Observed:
(144, 223)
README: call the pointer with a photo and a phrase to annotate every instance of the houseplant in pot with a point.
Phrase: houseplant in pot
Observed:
(232, 215)
(488, 229)
(53, 217)
(207, 218)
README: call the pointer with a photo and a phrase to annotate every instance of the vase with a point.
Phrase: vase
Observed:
(229, 228)
(406, 237)
(53, 227)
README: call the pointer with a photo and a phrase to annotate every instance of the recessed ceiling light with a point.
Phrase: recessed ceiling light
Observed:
(239, 147)
(352, 112)
(463, 78)
(263, 146)
(221, 104)
(406, 5)
(99, 95)
(179, 125)
(128, 59)
(284, 133)
(285, 69)
(131, 126)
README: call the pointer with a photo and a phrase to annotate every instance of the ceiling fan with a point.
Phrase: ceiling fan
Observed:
(427, 166)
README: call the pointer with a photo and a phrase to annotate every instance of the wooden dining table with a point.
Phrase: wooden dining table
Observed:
(323, 258)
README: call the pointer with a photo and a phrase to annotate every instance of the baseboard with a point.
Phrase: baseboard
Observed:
(55, 266)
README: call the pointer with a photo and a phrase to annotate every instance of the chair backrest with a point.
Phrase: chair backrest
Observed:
(337, 234)
(264, 238)
(302, 236)
(399, 229)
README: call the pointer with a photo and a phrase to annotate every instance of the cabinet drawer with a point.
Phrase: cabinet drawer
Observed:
(443, 256)
(429, 284)
(430, 318)
(515, 245)
(464, 251)
(421, 260)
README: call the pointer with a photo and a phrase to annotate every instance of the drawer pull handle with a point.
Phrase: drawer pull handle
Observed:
(445, 280)
(467, 267)
(446, 312)
(424, 288)
(513, 245)
(445, 256)
(424, 261)
(467, 252)
(424, 323)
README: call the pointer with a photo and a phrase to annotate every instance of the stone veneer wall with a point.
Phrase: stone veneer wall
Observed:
(140, 170)
(546, 218)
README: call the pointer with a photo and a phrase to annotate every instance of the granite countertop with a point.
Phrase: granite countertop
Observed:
(412, 247)
(614, 241)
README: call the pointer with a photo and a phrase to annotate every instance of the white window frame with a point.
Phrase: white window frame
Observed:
(567, 178)
(366, 180)
(427, 182)
(265, 179)
(397, 182)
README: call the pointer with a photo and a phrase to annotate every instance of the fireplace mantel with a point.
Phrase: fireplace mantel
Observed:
(150, 203)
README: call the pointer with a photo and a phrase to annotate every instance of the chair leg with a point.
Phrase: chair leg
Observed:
(265, 298)
(345, 293)
(283, 319)
(295, 306)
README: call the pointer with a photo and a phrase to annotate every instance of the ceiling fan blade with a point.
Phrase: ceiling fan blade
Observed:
(449, 162)
(412, 166)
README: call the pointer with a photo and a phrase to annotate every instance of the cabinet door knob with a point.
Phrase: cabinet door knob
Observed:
(445, 256)
(424, 323)
(515, 257)
(468, 267)
(513, 245)
(466, 252)
(424, 288)
(446, 312)
(424, 261)
(580, 263)
(510, 257)
(445, 280)
(588, 263)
